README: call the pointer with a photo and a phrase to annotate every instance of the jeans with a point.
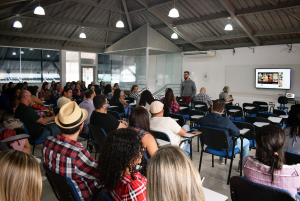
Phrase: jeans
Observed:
(186, 146)
(245, 147)
(55, 130)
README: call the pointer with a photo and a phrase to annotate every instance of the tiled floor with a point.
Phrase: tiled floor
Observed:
(215, 178)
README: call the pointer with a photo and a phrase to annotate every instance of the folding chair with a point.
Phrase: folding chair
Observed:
(291, 158)
(199, 105)
(266, 115)
(181, 120)
(115, 114)
(252, 120)
(160, 135)
(130, 100)
(250, 112)
(184, 112)
(53, 100)
(233, 113)
(262, 106)
(250, 135)
(98, 135)
(242, 189)
(62, 187)
(217, 144)
(194, 121)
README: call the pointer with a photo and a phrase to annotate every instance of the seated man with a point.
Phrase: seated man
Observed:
(167, 125)
(89, 106)
(67, 157)
(203, 97)
(101, 119)
(215, 120)
(67, 95)
(33, 122)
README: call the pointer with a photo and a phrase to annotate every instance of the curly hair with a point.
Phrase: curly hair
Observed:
(120, 149)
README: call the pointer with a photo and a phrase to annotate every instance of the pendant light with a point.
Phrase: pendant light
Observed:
(82, 35)
(174, 12)
(120, 24)
(174, 36)
(228, 27)
(17, 24)
(39, 10)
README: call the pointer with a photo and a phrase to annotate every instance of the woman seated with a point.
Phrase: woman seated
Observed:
(33, 90)
(68, 85)
(224, 95)
(46, 92)
(20, 176)
(170, 102)
(52, 85)
(102, 86)
(172, 175)
(139, 121)
(293, 132)
(133, 92)
(118, 98)
(82, 86)
(108, 91)
(4, 87)
(146, 100)
(77, 93)
(56, 91)
(122, 151)
(267, 166)
(116, 86)
(14, 97)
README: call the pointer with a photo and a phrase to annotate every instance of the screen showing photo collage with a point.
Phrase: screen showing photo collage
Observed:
(270, 78)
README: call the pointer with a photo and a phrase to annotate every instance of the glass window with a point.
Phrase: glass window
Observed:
(104, 68)
(51, 66)
(72, 66)
(31, 65)
(10, 65)
(88, 58)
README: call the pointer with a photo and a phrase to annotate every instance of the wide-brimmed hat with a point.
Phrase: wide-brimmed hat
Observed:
(70, 115)
(156, 107)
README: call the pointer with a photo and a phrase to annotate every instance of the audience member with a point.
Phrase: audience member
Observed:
(52, 86)
(45, 87)
(33, 122)
(203, 97)
(56, 91)
(73, 85)
(167, 125)
(171, 175)
(139, 121)
(25, 85)
(102, 86)
(67, 157)
(4, 87)
(77, 92)
(14, 97)
(11, 85)
(108, 91)
(60, 89)
(118, 98)
(82, 86)
(67, 95)
(93, 83)
(188, 88)
(89, 107)
(20, 177)
(116, 86)
(101, 119)
(293, 132)
(68, 85)
(121, 152)
(170, 102)
(35, 100)
(98, 91)
(134, 92)
(224, 95)
(267, 167)
(44, 93)
(146, 100)
(215, 120)
(92, 87)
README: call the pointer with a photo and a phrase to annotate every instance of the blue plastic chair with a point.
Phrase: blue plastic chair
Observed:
(106, 195)
(115, 114)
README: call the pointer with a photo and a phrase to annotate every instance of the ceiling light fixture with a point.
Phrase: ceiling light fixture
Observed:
(14, 53)
(228, 27)
(17, 23)
(22, 52)
(30, 49)
(174, 12)
(174, 36)
(82, 35)
(48, 55)
(39, 10)
(120, 24)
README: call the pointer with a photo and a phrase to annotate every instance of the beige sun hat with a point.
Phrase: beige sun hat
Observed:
(70, 115)
(156, 107)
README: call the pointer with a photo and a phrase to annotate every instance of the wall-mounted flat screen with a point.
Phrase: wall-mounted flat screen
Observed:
(273, 78)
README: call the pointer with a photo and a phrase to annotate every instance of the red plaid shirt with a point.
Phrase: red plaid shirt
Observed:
(175, 107)
(69, 159)
(129, 189)
(288, 178)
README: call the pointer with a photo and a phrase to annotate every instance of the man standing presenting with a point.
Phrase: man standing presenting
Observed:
(188, 88)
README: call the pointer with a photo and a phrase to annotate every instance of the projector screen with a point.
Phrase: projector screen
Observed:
(273, 78)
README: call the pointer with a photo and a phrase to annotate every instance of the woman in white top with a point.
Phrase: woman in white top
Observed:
(146, 100)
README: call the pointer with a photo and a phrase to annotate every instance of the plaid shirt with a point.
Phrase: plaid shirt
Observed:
(203, 98)
(288, 178)
(134, 95)
(69, 159)
(128, 189)
(174, 106)
(56, 94)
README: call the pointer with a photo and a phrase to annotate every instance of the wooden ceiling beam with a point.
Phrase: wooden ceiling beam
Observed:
(100, 5)
(127, 15)
(146, 5)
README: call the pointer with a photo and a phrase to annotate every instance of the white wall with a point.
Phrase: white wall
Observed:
(224, 61)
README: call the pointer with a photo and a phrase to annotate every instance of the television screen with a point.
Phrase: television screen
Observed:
(273, 78)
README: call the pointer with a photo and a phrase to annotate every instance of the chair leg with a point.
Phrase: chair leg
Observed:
(200, 160)
(212, 161)
(33, 147)
(198, 142)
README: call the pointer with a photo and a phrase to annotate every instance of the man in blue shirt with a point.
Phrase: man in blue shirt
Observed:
(215, 120)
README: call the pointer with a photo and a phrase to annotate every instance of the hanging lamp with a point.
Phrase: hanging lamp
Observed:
(173, 12)
(39, 10)
(228, 27)
(120, 24)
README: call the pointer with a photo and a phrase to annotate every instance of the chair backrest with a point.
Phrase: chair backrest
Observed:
(196, 112)
(120, 108)
(260, 103)
(209, 135)
(249, 135)
(251, 120)
(233, 107)
(56, 110)
(253, 111)
(160, 135)
(297, 106)
(279, 112)
(178, 99)
(291, 158)
(266, 115)
(181, 120)
(130, 100)
(242, 189)
(203, 108)
(98, 134)
(186, 110)
(283, 100)
(62, 187)
(115, 114)
(53, 101)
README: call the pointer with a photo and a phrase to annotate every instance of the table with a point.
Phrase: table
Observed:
(175, 119)
(182, 108)
(234, 110)
(40, 110)
(50, 105)
(112, 106)
(197, 116)
(276, 120)
(162, 142)
(132, 103)
(190, 137)
(199, 105)
(260, 124)
(15, 138)
(284, 116)
(213, 196)
(244, 131)
(249, 108)
(50, 122)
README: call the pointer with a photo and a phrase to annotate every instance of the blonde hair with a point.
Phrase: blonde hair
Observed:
(171, 175)
(20, 177)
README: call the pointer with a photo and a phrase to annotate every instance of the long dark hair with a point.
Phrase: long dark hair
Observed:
(169, 98)
(294, 121)
(44, 85)
(116, 96)
(139, 117)
(107, 89)
(146, 97)
(271, 141)
(12, 93)
(54, 88)
(121, 147)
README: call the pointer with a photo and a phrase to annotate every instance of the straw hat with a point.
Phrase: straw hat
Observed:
(156, 107)
(70, 115)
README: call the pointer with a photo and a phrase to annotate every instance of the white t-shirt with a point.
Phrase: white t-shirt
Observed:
(62, 100)
(168, 126)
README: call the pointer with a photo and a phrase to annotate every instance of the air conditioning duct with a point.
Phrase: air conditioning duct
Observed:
(199, 53)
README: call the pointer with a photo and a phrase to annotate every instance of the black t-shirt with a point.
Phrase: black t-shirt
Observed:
(105, 121)
(29, 117)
